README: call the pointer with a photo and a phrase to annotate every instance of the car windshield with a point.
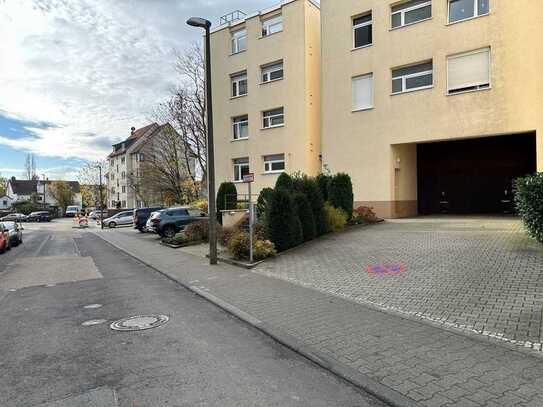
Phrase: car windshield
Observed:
(9, 225)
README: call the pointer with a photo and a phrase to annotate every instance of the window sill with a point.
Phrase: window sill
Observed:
(467, 19)
(269, 35)
(410, 24)
(273, 172)
(363, 109)
(412, 90)
(238, 97)
(362, 47)
(237, 182)
(237, 53)
(272, 127)
(468, 91)
(239, 139)
(273, 80)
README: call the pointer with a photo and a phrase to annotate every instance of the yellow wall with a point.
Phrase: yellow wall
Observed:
(298, 45)
(367, 144)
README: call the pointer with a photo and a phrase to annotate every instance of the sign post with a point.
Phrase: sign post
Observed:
(249, 179)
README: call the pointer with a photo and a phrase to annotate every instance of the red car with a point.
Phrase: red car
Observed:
(4, 239)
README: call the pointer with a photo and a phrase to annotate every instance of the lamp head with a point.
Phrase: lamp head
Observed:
(199, 22)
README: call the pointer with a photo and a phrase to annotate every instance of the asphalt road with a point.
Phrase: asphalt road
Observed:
(201, 357)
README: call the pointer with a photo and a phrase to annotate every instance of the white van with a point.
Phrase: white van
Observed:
(72, 211)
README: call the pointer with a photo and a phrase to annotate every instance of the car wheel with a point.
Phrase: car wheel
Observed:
(112, 225)
(169, 231)
(142, 230)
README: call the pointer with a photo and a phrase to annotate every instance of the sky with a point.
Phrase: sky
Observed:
(76, 75)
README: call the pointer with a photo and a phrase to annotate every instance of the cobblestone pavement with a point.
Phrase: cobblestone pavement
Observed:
(479, 274)
(424, 364)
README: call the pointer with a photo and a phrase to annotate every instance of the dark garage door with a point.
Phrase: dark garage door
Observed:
(472, 176)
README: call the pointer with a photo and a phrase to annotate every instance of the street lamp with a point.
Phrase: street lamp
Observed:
(206, 25)
(43, 175)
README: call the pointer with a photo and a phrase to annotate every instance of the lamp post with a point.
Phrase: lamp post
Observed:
(43, 175)
(206, 25)
(101, 199)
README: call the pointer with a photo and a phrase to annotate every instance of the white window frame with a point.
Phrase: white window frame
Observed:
(364, 24)
(268, 119)
(413, 75)
(236, 79)
(475, 12)
(480, 87)
(268, 164)
(236, 127)
(237, 36)
(372, 105)
(271, 22)
(407, 10)
(237, 168)
(267, 70)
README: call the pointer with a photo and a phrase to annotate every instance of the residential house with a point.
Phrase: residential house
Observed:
(40, 190)
(5, 202)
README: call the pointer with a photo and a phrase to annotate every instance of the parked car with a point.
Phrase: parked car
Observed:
(14, 217)
(4, 239)
(141, 216)
(15, 233)
(173, 220)
(72, 211)
(95, 215)
(40, 216)
(120, 219)
(149, 224)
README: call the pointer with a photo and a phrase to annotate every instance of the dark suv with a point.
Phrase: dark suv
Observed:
(141, 215)
(173, 220)
(41, 216)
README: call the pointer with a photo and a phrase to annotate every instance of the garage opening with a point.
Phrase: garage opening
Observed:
(473, 176)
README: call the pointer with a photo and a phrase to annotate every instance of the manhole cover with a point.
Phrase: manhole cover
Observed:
(94, 322)
(92, 306)
(139, 323)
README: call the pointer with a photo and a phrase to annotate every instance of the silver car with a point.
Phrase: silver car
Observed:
(121, 219)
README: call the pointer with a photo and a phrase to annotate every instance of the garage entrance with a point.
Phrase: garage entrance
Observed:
(473, 176)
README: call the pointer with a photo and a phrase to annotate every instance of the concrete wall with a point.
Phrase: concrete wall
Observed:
(367, 144)
(298, 45)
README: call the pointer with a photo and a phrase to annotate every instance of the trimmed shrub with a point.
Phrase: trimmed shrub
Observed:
(284, 182)
(284, 227)
(305, 214)
(365, 214)
(262, 249)
(178, 239)
(238, 246)
(263, 203)
(323, 182)
(227, 196)
(340, 193)
(337, 218)
(198, 231)
(226, 234)
(529, 203)
(310, 188)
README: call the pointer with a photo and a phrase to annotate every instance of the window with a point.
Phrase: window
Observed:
(113, 204)
(240, 127)
(123, 175)
(272, 25)
(239, 84)
(362, 31)
(124, 206)
(363, 92)
(411, 12)
(178, 212)
(239, 41)
(122, 160)
(113, 177)
(123, 190)
(413, 77)
(272, 72)
(241, 168)
(463, 9)
(142, 157)
(112, 190)
(273, 118)
(274, 163)
(469, 71)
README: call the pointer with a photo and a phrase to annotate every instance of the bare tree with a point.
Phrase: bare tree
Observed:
(89, 178)
(30, 168)
(186, 110)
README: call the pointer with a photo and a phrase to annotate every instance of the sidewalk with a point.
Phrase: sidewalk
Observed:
(403, 362)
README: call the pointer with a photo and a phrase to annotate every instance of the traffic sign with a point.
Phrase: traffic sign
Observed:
(248, 178)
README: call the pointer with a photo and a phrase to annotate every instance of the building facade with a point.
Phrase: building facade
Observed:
(126, 184)
(40, 191)
(432, 106)
(266, 94)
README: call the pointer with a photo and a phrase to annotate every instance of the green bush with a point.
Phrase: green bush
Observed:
(323, 182)
(198, 231)
(310, 188)
(284, 227)
(227, 196)
(178, 239)
(529, 203)
(201, 204)
(340, 193)
(262, 249)
(305, 214)
(263, 204)
(284, 182)
(337, 218)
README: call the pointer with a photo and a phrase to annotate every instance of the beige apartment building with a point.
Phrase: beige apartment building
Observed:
(266, 94)
(432, 106)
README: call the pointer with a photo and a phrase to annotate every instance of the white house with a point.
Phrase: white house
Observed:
(5, 202)
(23, 190)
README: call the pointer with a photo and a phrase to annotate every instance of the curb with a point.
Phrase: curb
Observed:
(354, 377)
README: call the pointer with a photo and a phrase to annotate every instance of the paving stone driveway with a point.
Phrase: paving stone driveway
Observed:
(473, 273)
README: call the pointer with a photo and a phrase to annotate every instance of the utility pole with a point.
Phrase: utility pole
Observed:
(44, 183)
(101, 206)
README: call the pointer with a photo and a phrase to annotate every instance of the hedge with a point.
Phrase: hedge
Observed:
(340, 193)
(529, 203)
(305, 214)
(284, 182)
(323, 181)
(284, 227)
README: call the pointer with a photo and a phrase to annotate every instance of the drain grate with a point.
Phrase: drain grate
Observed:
(139, 323)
